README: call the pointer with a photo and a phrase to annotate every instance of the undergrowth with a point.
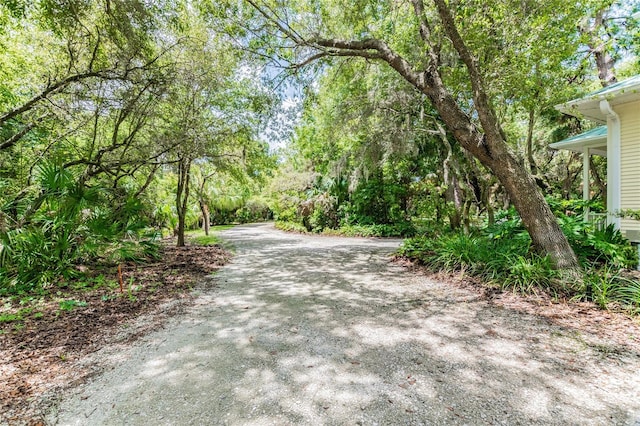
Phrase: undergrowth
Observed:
(290, 227)
(501, 255)
(401, 229)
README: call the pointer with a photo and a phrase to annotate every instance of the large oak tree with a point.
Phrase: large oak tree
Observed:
(425, 46)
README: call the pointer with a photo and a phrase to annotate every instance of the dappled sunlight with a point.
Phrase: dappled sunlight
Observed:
(315, 330)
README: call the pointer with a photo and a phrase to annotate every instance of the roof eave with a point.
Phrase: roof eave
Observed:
(589, 105)
(584, 108)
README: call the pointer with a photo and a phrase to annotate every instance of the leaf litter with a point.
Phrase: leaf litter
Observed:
(42, 348)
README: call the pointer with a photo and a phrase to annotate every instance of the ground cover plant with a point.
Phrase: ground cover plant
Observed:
(501, 255)
(42, 332)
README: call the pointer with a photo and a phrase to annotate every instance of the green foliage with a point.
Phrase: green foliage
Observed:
(593, 246)
(290, 227)
(198, 237)
(405, 229)
(629, 214)
(10, 317)
(524, 274)
(399, 229)
(71, 304)
(609, 287)
(501, 254)
(498, 261)
(375, 201)
(72, 225)
(120, 90)
(254, 210)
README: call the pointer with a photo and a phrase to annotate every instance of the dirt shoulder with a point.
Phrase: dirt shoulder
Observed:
(611, 330)
(42, 353)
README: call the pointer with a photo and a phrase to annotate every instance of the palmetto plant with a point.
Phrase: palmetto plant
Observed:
(68, 223)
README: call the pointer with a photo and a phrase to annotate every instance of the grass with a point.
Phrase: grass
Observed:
(198, 236)
(388, 230)
(291, 227)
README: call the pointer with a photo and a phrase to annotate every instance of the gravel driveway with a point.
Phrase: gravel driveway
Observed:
(320, 330)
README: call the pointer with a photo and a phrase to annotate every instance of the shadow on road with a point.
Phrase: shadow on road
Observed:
(319, 330)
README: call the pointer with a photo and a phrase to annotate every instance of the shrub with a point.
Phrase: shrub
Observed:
(401, 229)
(526, 274)
(290, 227)
(253, 211)
(608, 286)
(72, 224)
(501, 254)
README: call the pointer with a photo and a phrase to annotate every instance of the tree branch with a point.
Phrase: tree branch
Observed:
(425, 32)
(486, 113)
(51, 88)
(373, 49)
(15, 138)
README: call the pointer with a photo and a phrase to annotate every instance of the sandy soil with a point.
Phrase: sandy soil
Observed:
(319, 330)
(50, 349)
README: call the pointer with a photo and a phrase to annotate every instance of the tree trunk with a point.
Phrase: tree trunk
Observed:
(488, 145)
(206, 217)
(466, 219)
(598, 46)
(453, 193)
(530, 159)
(487, 199)
(491, 150)
(182, 197)
(600, 183)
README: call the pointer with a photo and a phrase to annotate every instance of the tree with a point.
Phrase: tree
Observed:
(472, 121)
(370, 134)
(210, 115)
(611, 31)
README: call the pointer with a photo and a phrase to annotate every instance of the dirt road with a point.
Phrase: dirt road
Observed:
(319, 330)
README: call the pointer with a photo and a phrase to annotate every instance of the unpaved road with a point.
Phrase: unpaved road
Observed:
(317, 330)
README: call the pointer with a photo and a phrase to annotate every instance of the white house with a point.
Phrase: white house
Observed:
(618, 108)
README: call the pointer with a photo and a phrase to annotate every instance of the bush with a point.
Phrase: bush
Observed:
(504, 262)
(593, 247)
(609, 286)
(290, 227)
(401, 229)
(501, 254)
(73, 224)
(253, 211)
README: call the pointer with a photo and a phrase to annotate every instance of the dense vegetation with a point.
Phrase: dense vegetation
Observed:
(125, 121)
(373, 153)
(120, 123)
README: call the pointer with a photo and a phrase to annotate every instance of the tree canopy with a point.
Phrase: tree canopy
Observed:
(119, 119)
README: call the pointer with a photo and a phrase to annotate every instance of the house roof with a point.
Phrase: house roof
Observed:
(589, 106)
(594, 139)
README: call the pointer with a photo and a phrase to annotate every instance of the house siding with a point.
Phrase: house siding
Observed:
(629, 161)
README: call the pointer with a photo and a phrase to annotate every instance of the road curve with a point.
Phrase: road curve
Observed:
(327, 331)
